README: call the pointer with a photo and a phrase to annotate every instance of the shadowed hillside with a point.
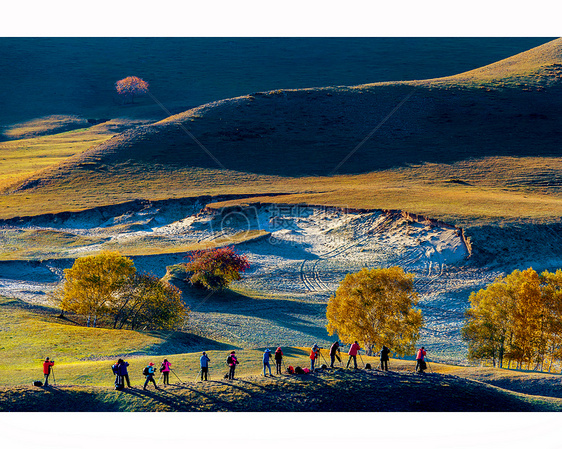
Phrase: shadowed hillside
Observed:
(338, 391)
(45, 76)
(311, 131)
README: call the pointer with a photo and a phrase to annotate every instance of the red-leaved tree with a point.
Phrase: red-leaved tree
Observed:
(215, 268)
(131, 86)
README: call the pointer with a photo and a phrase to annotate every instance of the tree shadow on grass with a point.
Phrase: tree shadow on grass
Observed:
(176, 342)
(282, 312)
(59, 399)
(159, 396)
(181, 403)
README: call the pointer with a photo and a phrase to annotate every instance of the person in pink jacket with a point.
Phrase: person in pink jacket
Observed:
(353, 350)
(165, 369)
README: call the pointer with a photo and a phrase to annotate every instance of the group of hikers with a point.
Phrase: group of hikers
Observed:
(335, 354)
(122, 375)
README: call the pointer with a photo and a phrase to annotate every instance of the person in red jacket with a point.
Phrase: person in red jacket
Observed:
(47, 364)
(314, 354)
(353, 350)
(419, 359)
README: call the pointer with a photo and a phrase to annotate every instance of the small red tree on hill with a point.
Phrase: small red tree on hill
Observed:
(215, 268)
(131, 86)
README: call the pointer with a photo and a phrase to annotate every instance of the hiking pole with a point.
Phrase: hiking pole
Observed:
(176, 375)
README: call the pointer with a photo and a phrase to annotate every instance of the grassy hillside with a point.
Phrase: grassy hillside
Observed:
(83, 380)
(42, 244)
(445, 152)
(339, 390)
(31, 333)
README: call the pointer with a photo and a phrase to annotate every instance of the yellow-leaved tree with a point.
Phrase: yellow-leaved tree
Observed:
(517, 318)
(107, 286)
(93, 283)
(376, 307)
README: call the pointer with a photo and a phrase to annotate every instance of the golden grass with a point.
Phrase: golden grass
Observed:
(44, 125)
(539, 67)
(40, 244)
(20, 159)
(494, 190)
(154, 245)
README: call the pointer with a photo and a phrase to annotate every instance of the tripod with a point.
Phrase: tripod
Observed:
(176, 375)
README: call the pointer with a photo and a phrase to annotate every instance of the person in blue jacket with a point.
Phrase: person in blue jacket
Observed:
(204, 365)
(150, 376)
(266, 357)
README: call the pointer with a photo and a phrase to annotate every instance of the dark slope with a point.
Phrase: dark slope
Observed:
(340, 391)
(509, 108)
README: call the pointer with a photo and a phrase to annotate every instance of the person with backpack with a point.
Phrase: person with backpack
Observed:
(334, 353)
(165, 370)
(121, 374)
(118, 379)
(47, 364)
(148, 371)
(266, 357)
(314, 354)
(384, 358)
(231, 361)
(204, 362)
(420, 362)
(278, 359)
(353, 350)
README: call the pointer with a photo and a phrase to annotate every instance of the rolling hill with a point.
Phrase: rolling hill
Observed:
(308, 141)
(506, 108)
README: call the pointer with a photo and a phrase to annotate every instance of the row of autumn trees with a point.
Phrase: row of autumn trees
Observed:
(107, 287)
(517, 321)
